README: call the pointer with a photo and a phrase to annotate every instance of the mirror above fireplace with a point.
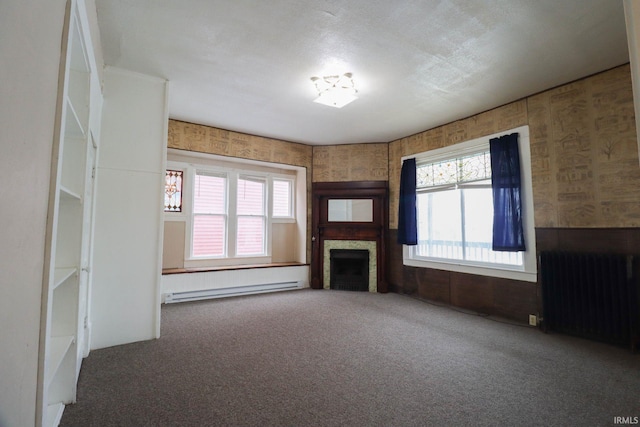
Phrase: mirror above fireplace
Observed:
(350, 210)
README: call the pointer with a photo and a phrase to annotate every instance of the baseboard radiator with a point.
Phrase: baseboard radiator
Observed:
(594, 296)
(230, 291)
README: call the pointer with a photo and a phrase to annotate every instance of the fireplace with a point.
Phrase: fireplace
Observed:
(349, 270)
(349, 215)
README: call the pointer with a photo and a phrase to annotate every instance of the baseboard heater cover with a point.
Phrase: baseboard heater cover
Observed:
(173, 297)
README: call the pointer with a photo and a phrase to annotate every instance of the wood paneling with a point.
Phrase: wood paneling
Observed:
(511, 299)
(433, 285)
(601, 240)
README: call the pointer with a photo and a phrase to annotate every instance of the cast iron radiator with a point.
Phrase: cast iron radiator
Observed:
(590, 295)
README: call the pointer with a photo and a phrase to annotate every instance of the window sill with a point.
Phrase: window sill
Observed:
(525, 276)
(167, 271)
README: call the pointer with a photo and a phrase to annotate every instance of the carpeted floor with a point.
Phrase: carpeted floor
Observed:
(336, 358)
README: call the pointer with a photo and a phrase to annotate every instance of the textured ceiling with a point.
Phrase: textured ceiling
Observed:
(246, 65)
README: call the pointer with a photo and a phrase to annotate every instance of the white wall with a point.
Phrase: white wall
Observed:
(30, 37)
(125, 300)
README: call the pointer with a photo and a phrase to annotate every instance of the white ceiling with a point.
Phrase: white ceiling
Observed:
(245, 65)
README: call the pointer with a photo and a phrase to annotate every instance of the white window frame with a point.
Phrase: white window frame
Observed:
(221, 174)
(292, 199)
(265, 206)
(526, 272)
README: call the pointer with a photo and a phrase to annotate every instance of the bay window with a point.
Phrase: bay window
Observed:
(229, 210)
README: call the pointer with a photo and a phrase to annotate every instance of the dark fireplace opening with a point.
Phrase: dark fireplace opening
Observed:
(349, 269)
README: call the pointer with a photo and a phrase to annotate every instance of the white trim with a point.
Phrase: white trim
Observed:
(292, 199)
(528, 272)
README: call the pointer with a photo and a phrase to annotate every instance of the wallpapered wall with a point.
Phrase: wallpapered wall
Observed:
(583, 150)
(205, 139)
(352, 162)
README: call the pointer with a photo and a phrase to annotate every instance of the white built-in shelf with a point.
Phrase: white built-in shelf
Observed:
(59, 346)
(54, 414)
(61, 275)
(68, 194)
(74, 126)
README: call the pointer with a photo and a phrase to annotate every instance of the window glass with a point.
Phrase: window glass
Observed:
(439, 225)
(250, 239)
(251, 217)
(208, 235)
(455, 211)
(173, 191)
(282, 192)
(209, 194)
(209, 215)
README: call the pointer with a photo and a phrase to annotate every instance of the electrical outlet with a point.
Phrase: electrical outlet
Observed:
(533, 320)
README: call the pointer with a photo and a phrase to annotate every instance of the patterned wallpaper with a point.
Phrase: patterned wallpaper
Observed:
(352, 162)
(585, 154)
(583, 150)
(205, 139)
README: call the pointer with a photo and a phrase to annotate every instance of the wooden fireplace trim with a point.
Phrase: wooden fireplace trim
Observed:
(323, 230)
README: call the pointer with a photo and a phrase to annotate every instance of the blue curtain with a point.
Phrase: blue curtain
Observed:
(508, 233)
(407, 228)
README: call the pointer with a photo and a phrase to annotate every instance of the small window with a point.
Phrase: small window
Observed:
(282, 198)
(173, 191)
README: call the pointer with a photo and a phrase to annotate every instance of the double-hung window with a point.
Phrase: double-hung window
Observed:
(282, 198)
(209, 224)
(251, 217)
(454, 204)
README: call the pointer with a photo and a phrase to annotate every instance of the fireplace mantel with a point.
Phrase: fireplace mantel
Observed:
(371, 229)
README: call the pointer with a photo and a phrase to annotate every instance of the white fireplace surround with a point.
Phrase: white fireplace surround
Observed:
(350, 244)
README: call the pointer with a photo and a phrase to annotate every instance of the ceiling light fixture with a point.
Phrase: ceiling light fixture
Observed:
(335, 91)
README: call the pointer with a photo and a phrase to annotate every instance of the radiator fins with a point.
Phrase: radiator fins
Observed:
(593, 296)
